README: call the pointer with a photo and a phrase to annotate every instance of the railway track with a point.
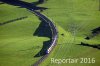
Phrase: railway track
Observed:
(31, 8)
(54, 35)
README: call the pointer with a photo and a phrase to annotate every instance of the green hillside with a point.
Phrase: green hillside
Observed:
(18, 45)
(74, 19)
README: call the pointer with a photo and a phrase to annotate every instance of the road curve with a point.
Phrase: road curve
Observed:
(54, 35)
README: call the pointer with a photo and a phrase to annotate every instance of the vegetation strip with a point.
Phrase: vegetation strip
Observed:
(3, 23)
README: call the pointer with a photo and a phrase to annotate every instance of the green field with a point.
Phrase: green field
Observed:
(18, 46)
(73, 18)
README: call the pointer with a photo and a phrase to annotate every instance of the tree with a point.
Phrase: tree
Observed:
(41, 1)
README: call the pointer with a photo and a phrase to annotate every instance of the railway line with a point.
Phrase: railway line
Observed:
(53, 28)
(54, 35)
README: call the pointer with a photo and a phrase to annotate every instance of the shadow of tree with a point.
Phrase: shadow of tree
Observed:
(94, 32)
(22, 4)
(3, 23)
(43, 31)
(97, 46)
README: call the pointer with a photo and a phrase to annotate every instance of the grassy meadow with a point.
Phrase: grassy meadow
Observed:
(18, 45)
(73, 18)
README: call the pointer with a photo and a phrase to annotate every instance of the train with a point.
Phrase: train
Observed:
(51, 46)
(54, 37)
(53, 29)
